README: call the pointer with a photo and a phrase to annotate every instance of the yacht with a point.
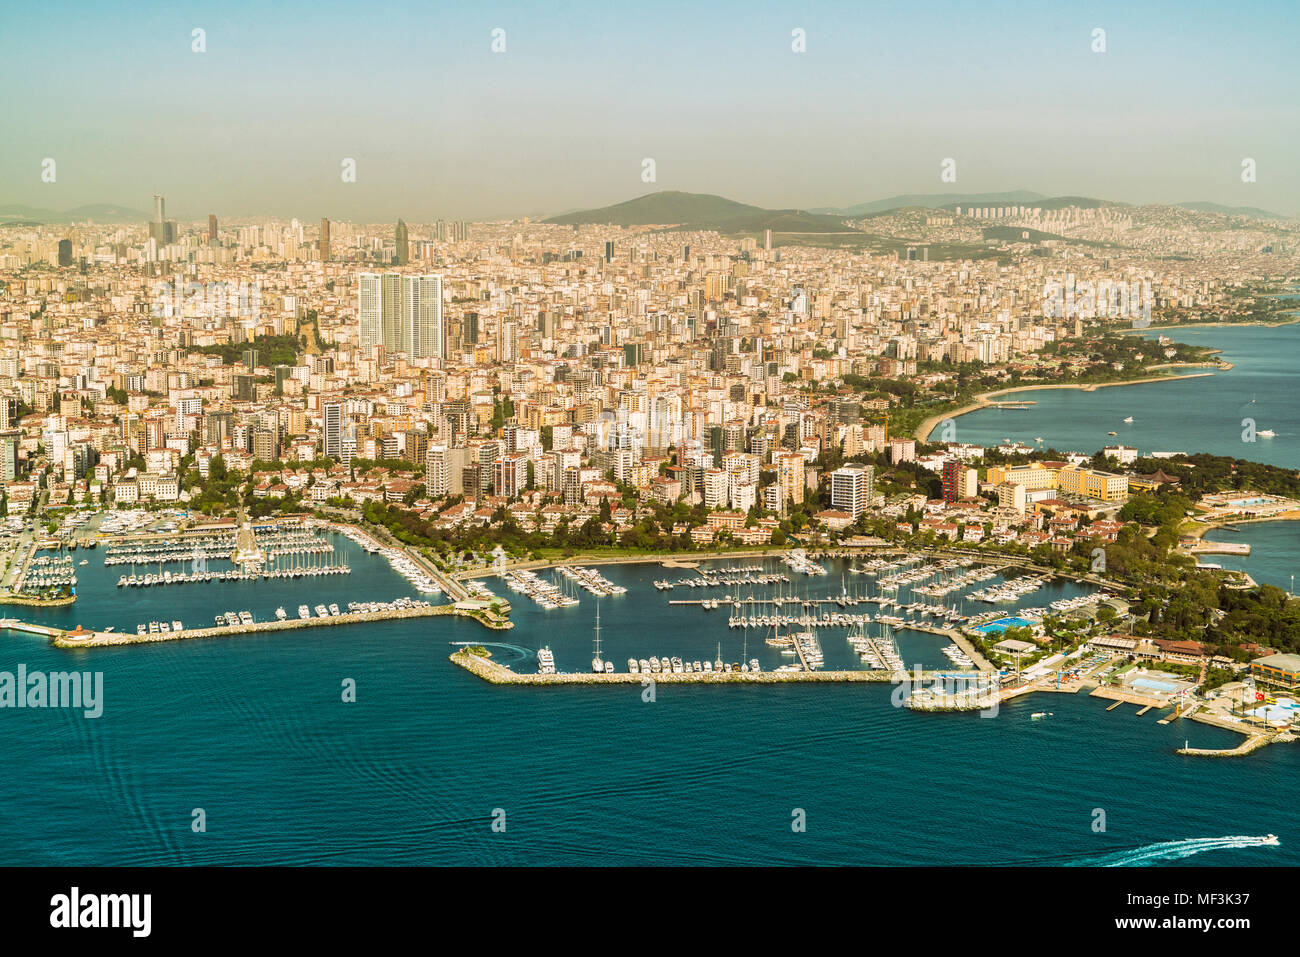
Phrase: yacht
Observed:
(176, 625)
(334, 609)
(1266, 433)
(1112, 433)
(545, 661)
(322, 611)
(597, 665)
(304, 612)
(281, 614)
(1128, 420)
(632, 666)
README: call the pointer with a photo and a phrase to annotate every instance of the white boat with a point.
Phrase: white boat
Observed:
(304, 612)
(597, 664)
(1128, 420)
(1266, 433)
(281, 614)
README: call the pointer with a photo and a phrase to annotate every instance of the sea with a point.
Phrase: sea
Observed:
(252, 736)
(1221, 413)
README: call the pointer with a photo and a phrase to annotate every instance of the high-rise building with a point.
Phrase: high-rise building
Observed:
(609, 252)
(437, 471)
(9, 442)
(333, 430)
(403, 244)
(790, 477)
(212, 227)
(851, 488)
(422, 321)
(370, 311)
(65, 252)
(401, 313)
(951, 481)
(161, 230)
(325, 240)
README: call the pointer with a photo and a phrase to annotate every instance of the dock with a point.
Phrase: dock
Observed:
(496, 674)
(83, 638)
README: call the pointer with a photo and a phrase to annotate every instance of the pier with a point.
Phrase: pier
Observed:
(496, 674)
(83, 638)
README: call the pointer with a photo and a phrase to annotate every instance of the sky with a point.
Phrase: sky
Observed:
(440, 126)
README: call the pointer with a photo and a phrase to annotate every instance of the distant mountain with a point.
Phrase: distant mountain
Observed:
(934, 201)
(702, 211)
(99, 212)
(1252, 211)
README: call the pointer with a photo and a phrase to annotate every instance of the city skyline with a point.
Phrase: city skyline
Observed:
(260, 121)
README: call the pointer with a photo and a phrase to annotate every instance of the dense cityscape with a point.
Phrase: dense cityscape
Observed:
(590, 437)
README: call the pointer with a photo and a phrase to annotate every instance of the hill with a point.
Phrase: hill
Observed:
(702, 211)
(1252, 211)
(99, 212)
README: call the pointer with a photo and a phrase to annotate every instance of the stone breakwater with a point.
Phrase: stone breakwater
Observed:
(496, 674)
(102, 639)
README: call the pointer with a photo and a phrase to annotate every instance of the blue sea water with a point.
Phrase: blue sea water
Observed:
(254, 731)
(1188, 415)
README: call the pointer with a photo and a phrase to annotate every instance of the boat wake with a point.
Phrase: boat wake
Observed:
(1176, 850)
(521, 652)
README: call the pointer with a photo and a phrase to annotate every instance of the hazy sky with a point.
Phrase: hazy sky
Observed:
(440, 126)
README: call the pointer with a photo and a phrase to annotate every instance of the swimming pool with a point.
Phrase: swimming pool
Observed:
(1002, 624)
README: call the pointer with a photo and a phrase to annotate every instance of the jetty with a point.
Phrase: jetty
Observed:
(496, 674)
(80, 637)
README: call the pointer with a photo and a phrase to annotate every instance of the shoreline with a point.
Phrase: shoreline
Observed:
(1219, 325)
(982, 401)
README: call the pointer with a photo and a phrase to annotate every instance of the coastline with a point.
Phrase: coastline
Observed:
(1218, 325)
(982, 401)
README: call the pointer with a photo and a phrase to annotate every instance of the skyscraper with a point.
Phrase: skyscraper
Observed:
(333, 430)
(370, 311)
(436, 471)
(403, 245)
(325, 240)
(951, 481)
(401, 313)
(161, 230)
(423, 317)
(65, 252)
(212, 227)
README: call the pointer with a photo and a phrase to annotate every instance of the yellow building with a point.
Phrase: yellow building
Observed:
(1069, 479)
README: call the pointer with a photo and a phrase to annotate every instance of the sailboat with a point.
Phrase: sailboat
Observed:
(597, 665)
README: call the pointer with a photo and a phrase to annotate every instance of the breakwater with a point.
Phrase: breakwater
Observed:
(497, 674)
(100, 639)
